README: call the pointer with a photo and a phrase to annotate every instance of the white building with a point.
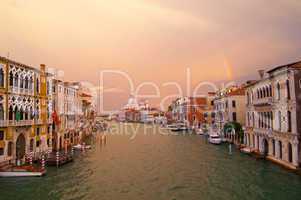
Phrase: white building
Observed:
(68, 106)
(229, 106)
(273, 117)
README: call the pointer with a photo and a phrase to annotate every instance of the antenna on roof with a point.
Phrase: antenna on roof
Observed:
(7, 55)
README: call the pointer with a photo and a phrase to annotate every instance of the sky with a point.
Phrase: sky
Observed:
(156, 41)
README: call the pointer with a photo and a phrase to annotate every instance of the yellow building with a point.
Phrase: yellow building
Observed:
(25, 111)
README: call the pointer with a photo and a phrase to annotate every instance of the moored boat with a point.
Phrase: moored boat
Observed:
(23, 171)
(215, 139)
(22, 174)
(199, 131)
(178, 127)
(81, 147)
(246, 150)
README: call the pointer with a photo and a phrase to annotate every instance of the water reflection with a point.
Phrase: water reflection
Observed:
(158, 166)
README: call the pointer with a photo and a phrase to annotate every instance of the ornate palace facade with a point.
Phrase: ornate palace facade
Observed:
(25, 110)
(273, 117)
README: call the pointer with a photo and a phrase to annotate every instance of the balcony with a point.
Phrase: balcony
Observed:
(38, 121)
(263, 131)
(267, 101)
(5, 123)
(18, 90)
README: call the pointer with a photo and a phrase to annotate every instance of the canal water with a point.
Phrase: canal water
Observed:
(142, 163)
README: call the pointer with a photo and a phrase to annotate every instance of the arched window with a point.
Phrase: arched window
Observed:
(259, 120)
(279, 120)
(21, 81)
(280, 149)
(264, 92)
(289, 121)
(1, 112)
(26, 82)
(270, 89)
(25, 114)
(30, 83)
(272, 122)
(288, 89)
(21, 114)
(262, 120)
(11, 79)
(261, 93)
(37, 85)
(278, 91)
(290, 152)
(10, 113)
(10, 149)
(16, 80)
(1, 78)
(267, 91)
(17, 113)
(31, 113)
(37, 113)
(267, 121)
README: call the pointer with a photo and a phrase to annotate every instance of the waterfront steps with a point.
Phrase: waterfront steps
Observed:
(5, 166)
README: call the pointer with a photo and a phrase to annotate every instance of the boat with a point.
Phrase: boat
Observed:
(199, 131)
(215, 139)
(23, 171)
(63, 159)
(81, 147)
(22, 174)
(246, 150)
(179, 127)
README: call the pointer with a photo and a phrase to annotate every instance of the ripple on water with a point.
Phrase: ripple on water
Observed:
(158, 167)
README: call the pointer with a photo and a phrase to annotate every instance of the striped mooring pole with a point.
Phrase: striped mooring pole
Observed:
(57, 159)
(43, 161)
(48, 153)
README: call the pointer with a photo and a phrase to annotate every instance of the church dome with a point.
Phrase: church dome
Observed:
(132, 103)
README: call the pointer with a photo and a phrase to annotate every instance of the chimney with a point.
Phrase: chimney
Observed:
(261, 73)
(42, 67)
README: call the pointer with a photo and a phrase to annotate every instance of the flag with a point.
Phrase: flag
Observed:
(55, 117)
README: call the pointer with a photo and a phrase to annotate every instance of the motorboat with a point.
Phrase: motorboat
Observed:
(199, 131)
(178, 127)
(81, 147)
(215, 139)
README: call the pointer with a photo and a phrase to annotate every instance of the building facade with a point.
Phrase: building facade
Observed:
(229, 106)
(273, 118)
(25, 111)
(209, 114)
(189, 110)
(68, 106)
